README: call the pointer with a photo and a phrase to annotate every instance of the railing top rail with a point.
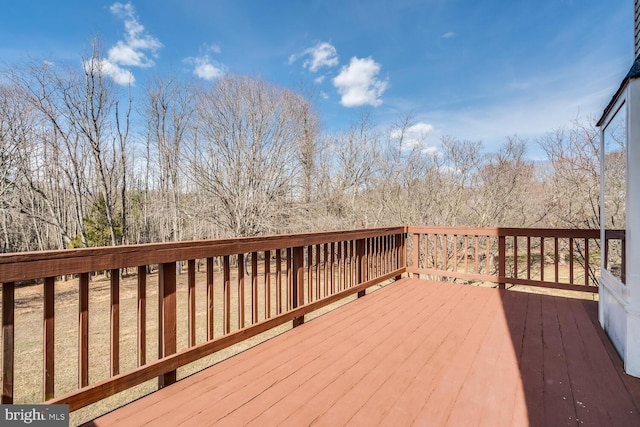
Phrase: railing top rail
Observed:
(36, 265)
(524, 232)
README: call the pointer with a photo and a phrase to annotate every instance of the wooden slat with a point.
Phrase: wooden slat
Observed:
(210, 299)
(289, 280)
(8, 344)
(83, 330)
(191, 296)
(49, 338)
(586, 261)
(332, 258)
(115, 322)
(555, 259)
(254, 288)
(542, 259)
(278, 281)
(477, 253)
(167, 293)
(142, 315)
(515, 257)
(326, 269)
(240, 291)
(227, 294)
(318, 250)
(427, 264)
(528, 257)
(267, 284)
(435, 252)
(455, 252)
(502, 252)
(487, 253)
(570, 261)
(466, 253)
(309, 273)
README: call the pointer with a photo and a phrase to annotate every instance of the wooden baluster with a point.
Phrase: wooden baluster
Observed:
(502, 267)
(487, 252)
(191, 296)
(331, 267)
(586, 261)
(555, 257)
(83, 330)
(267, 284)
(309, 273)
(477, 254)
(254, 287)
(49, 338)
(115, 321)
(528, 257)
(318, 249)
(326, 269)
(415, 258)
(226, 271)
(278, 281)
(142, 315)
(168, 318)
(210, 299)
(466, 253)
(542, 259)
(8, 343)
(571, 260)
(297, 288)
(240, 291)
(289, 279)
(515, 257)
(455, 252)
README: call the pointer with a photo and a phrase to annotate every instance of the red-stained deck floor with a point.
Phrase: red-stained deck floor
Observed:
(414, 352)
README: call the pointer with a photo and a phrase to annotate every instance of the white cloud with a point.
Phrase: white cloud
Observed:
(133, 51)
(119, 75)
(318, 80)
(448, 35)
(413, 136)
(205, 68)
(322, 55)
(358, 83)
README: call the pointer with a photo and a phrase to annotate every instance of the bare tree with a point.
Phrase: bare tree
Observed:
(244, 156)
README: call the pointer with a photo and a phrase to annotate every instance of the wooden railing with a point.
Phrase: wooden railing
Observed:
(251, 285)
(552, 258)
(223, 292)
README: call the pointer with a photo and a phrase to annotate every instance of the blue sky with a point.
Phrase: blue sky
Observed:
(473, 70)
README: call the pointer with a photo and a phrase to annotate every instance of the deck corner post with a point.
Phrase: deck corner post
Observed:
(502, 261)
(167, 306)
(297, 291)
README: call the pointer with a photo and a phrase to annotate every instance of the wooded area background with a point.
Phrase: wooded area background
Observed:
(83, 163)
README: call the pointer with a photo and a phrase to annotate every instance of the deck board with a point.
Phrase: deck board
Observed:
(414, 352)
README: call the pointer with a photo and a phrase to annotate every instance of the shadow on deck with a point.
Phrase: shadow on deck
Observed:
(414, 352)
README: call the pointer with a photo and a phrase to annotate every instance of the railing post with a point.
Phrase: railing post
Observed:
(297, 287)
(360, 264)
(49, 338)
(8, 293)
(502, 261)
(167, 294)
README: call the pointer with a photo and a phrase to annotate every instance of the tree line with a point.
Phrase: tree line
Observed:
(83, 163)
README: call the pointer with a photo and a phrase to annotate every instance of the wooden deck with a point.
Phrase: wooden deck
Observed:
(415, 352)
